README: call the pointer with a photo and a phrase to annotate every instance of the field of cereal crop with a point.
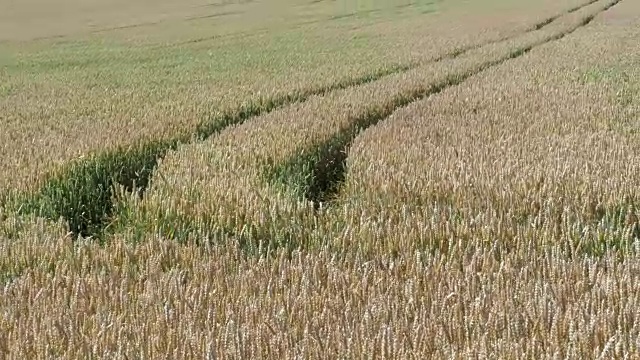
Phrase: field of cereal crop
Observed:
(280, 179)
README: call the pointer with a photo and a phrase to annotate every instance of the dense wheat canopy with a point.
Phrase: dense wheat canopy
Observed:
(292, 179)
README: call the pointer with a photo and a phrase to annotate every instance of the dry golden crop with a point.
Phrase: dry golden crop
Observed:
(226, 184)
(160, 299)
(545, 154)
(486, 211)
(68, 98)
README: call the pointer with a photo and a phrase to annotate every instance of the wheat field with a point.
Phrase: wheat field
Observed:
(293, 179)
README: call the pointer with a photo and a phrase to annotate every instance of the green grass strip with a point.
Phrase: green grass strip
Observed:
(82, 192)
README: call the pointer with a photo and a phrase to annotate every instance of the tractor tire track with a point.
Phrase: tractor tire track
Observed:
(83, 191)
(263, 182)
(326, 166)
